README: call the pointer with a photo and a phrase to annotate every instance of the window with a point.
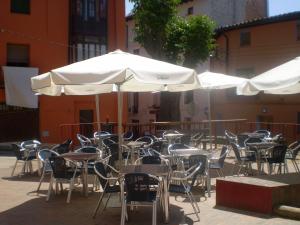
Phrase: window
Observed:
(245, 38)
(298, 30)
(136, 51)
(87, 47)
(20, 6)
(17, 55)
(188, 97)
(190, 11)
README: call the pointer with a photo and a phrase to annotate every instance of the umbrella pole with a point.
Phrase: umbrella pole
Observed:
(120, 129)
(209, 119)
(97, 111)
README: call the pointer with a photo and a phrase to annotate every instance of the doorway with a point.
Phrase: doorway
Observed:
(86, 118)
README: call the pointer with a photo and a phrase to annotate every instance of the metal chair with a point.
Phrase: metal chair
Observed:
(139, 192)
(182, 186)
(242, 161)
(196, 139)
(277, 158)
(292, 153)
(266, 133)
(62, 174)
(109, 184)
(218, 163)
(84, 141)
(63, 147)
(44, 156)
(23, 156)
(128, 136)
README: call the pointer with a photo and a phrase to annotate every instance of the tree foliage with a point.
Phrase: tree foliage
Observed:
(166, 36)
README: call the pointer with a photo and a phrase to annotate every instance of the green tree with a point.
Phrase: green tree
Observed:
(166, 36)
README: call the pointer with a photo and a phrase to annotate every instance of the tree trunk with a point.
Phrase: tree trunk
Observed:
(169, 106)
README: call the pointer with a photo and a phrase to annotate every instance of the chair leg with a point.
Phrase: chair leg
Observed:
(61, 187)
(154, 212)
(70, 191)
(123, 212)
(41, 180)
(194, 200)
(105, 205)
(50, 188)
(13, 171)
(98, 205)
(192, 203)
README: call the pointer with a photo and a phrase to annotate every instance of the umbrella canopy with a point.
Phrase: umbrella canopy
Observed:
(210, 80)
(132, 73)
(116, 71)
(283, 79)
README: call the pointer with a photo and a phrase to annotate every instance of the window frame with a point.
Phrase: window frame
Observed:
(245, 41)
(190, 10)
(14, 7)
(18, 64)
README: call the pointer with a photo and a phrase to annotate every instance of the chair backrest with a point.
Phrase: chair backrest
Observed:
(198, 160)
(29, 143)
(151, 159)
(252, 140)
(146, 139)
(128, 136)
(223, 155)
(45, 154)
(17, 151)
(241, 139)
(114, 152)
(84, 141)
(59, 167)
(114, 138)
(101, 172)
(294, 148)
(63, 147)
(106, 142)
(278, 153)
(99, 133)
(88, 149)
(178, 146)
(266, 133)
(138, 187)
(236, 150)
(152, 136)
(158, 146)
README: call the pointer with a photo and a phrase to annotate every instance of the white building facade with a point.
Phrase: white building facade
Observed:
(143, 107)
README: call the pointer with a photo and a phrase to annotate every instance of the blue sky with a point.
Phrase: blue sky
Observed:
(275, 6)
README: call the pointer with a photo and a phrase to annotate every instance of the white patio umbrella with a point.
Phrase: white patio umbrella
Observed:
(116, 71)
(211, 81)
(283, 79)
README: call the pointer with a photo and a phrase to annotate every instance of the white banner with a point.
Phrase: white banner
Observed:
(18, 86)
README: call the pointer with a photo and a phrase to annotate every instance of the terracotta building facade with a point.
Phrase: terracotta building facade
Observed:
(249, 49)
(48, 34)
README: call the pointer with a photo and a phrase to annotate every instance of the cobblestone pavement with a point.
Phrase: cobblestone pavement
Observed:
(21, 205)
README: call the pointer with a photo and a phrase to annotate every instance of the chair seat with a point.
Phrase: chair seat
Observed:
(271, 161)
(150, 198)
(175, 188)
(215, 165)
(113, 189)
(250, 158)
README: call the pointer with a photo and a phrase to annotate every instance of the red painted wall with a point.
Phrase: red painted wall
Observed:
(48, 22)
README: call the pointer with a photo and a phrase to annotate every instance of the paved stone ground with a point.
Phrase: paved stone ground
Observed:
(21, 205)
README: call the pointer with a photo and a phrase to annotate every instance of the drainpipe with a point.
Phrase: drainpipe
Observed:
(226, 53)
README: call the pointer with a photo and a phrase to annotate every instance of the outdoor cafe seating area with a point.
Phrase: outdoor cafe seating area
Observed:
(144, 171)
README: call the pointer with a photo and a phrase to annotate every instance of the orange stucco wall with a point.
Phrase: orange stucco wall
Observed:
(48, 22)
(271, 45)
